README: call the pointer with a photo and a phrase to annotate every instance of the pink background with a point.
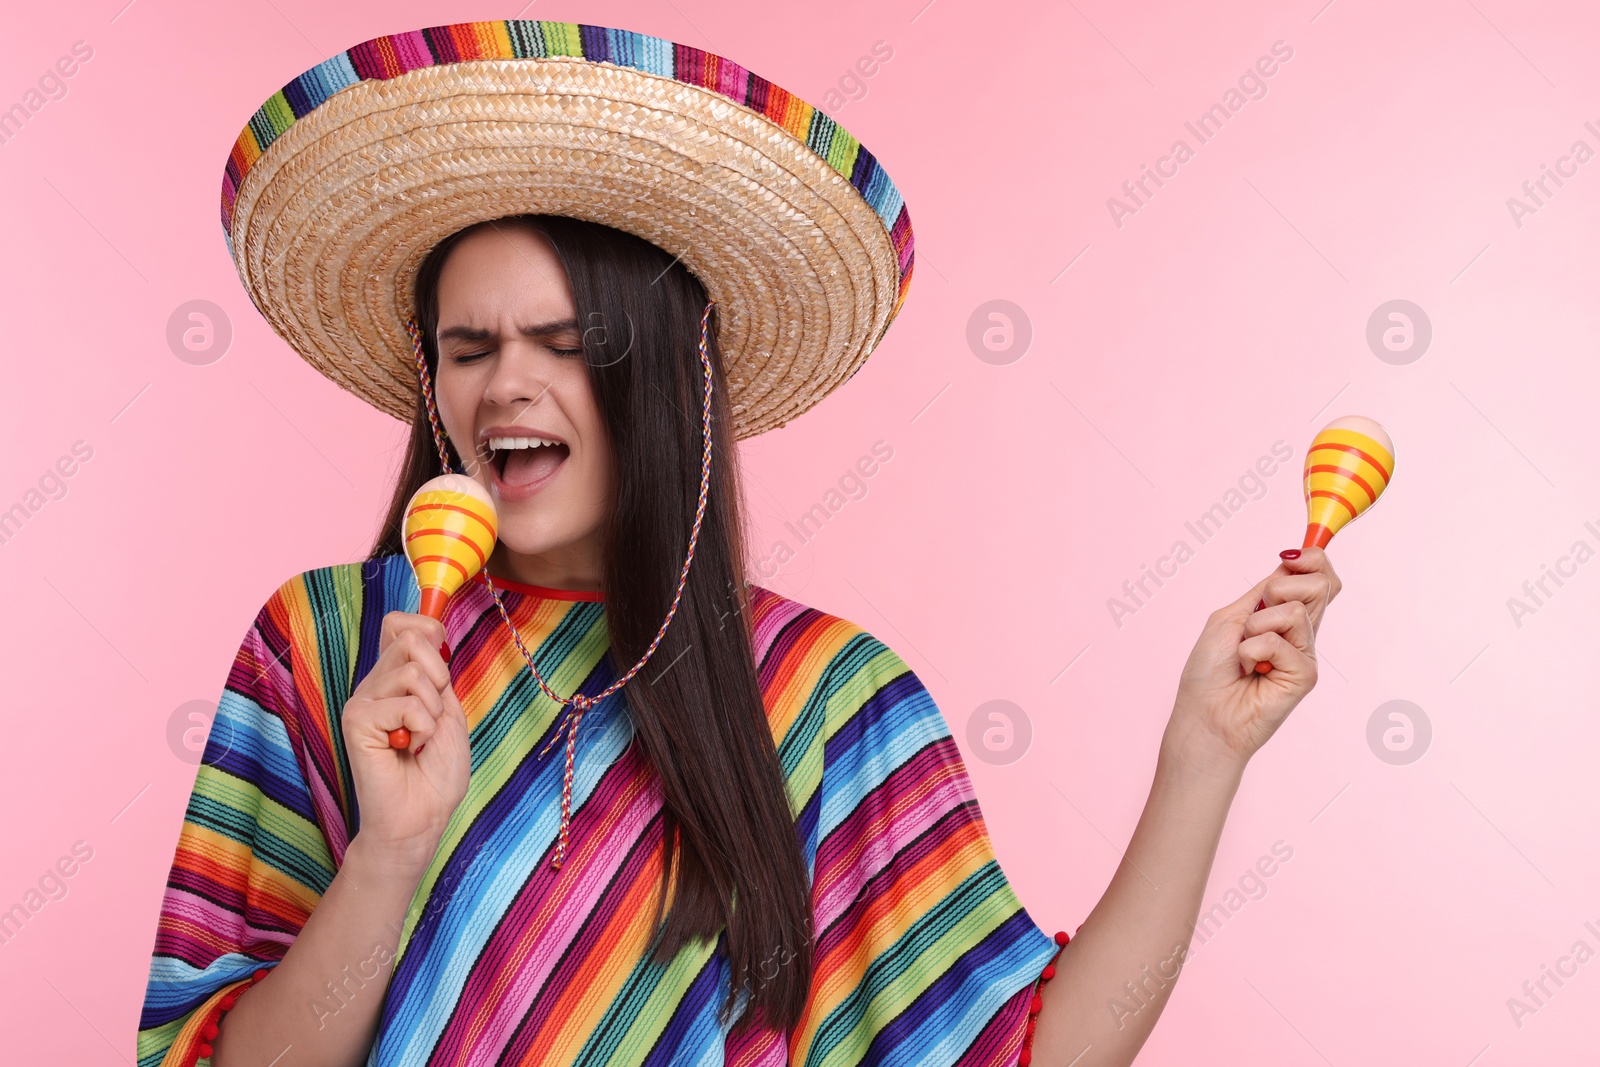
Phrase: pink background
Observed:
(1229, 312)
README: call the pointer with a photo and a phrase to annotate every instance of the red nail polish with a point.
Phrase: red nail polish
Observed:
(444, 650)
(1289, 553)
(420, 748)
(1261, 603)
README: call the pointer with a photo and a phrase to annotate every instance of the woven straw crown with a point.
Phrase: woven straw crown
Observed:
(343, 181)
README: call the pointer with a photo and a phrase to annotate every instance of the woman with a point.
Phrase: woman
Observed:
(760, 843)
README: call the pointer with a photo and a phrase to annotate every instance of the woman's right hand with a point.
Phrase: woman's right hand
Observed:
(406, 796)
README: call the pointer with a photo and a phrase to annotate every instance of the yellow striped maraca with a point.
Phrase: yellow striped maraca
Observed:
(1347, 469)
(1348, 466)
(450, 529)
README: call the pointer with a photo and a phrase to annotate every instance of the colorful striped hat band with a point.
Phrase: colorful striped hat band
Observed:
(576, 704)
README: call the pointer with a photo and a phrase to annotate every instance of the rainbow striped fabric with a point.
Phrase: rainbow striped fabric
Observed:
(395, 54)
(923, 955)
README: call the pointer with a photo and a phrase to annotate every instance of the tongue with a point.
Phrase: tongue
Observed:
(527, 465)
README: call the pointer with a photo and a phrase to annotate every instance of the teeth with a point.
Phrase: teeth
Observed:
(505, 443)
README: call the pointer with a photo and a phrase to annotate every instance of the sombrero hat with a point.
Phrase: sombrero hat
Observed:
(342, 182)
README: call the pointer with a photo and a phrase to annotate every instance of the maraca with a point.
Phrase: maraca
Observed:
(1348, 467)
(450, 530)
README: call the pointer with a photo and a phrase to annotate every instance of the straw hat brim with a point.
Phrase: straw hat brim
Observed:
(330, 222)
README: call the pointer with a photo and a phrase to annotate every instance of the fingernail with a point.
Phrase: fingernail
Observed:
(444, 650)
(1261, 603)
(1289, 553)
(420, 748)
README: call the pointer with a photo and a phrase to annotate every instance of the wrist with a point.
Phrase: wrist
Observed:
(1190, 745)
(381, 864)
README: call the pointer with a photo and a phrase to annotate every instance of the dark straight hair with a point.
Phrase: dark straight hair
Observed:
(727, 830)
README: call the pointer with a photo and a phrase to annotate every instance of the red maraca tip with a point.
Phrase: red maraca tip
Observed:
(1317, 536)
(433, 603)
(400, 737)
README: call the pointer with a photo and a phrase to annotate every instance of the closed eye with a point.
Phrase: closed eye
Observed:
(473, 357)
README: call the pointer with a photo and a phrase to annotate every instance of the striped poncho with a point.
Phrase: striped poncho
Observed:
(923, 954)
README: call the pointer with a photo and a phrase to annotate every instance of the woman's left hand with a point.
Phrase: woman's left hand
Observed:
(1225, 711)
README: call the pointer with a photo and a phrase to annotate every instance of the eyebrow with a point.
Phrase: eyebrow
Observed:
(473, 334)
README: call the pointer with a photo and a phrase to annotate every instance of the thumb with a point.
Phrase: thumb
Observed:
(1306, 561)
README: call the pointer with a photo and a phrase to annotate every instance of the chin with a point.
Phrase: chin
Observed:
(530, 537)
(538, 529)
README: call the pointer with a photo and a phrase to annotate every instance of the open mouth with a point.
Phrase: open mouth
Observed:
(525, 462)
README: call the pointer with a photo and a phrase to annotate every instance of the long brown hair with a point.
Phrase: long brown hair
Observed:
(727, 828)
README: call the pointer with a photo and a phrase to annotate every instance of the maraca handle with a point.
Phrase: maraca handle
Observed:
(1317, 536)
(400, 737)
(1262, 666)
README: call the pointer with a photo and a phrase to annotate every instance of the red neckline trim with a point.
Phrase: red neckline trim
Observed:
(539, 590)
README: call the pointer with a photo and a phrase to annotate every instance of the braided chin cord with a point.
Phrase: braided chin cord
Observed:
(574, 706)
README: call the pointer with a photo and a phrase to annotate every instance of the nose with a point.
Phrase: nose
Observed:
(521, 377)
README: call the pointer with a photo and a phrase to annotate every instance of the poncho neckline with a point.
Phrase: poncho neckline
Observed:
(541, 591)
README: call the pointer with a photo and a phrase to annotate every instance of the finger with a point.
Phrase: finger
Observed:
(409, 676)
(1273, 648)
(1247, 600)
(1313, 577)
(414, 647)
(451, 723)
(1291, 621)
(1310, 589)
(381, 716)
(1314, 561)
(396, 623)
(407, 648)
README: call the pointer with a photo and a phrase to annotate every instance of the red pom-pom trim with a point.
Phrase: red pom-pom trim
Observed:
(1025, 1057)
(209, 1032)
